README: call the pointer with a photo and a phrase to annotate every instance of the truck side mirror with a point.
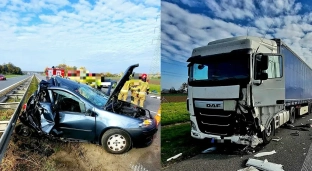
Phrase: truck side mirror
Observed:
(264, 76)
(264, 62)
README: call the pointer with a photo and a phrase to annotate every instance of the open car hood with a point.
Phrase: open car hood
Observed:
(121, 83)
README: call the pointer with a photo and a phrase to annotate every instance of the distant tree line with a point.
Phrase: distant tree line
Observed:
(10, 69)
(182, 89)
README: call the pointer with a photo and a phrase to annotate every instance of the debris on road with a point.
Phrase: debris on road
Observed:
(299, 127)
(277, 139)
(265, 153)
(295, 133)
(209, 150)
(250, 168)
(264, 165)
(255, 141)
(174, 157)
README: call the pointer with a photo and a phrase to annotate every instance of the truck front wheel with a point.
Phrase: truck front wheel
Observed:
(268, 133)
(292, 115)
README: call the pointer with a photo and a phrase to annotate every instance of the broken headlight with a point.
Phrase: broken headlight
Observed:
(193, 126)
(146, 122)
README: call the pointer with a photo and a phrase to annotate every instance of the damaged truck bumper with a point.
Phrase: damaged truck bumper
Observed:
(237, 139)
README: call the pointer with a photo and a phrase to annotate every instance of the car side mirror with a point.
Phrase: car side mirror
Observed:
(91, 113)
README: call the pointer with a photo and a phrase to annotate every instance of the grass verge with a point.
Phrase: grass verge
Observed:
(154, 87)
(174, 113)
(5, 114)
(177, 139)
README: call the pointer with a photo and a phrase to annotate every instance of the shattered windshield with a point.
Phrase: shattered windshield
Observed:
(96, 97)
(223, 69)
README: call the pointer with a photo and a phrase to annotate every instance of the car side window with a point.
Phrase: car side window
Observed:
(68, 102)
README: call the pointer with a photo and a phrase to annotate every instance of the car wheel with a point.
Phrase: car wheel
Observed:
(116, 141)
(23, 130)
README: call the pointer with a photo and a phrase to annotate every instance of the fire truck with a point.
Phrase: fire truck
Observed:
(50, 72)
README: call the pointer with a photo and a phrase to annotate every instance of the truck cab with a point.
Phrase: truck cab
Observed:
(236, 90)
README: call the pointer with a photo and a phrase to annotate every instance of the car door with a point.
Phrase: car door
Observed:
(74, 120)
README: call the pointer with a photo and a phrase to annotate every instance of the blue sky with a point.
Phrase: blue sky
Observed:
(187, 24)
(102, 35)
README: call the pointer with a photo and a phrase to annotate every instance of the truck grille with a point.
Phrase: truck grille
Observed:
(215, 121)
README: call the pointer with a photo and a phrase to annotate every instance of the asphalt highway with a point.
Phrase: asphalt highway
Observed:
(291, 152)
(10, 81)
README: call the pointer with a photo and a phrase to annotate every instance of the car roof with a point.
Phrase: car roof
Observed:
(64, 83)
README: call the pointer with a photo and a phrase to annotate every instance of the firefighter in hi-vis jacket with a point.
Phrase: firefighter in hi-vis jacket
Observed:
(135, 88)
(124, 91)
(144, 89)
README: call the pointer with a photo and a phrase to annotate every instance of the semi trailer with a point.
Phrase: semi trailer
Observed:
(242, 89)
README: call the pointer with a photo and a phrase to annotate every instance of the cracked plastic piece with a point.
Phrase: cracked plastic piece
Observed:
(174, 157)
(264, 165)
(265, 153)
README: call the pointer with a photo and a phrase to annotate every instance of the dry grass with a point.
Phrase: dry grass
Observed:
(5, 114)
(37, 153)
(11, 99)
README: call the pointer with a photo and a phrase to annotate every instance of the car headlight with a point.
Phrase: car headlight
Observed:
(146, 122)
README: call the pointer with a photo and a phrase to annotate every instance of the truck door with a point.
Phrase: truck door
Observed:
(270, 91)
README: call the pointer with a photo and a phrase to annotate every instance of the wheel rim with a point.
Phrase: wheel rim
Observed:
(269, 130)
(25, 131)
(116, 142)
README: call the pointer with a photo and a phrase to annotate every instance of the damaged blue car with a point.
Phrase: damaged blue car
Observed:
(71, 111)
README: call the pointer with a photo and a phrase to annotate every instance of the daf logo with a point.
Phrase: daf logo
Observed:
(213, 105)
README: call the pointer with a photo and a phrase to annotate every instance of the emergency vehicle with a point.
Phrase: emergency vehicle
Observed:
(50, 72)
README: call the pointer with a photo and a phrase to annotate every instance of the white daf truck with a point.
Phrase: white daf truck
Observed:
(241, 89)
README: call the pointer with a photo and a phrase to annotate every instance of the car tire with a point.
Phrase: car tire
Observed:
(22, 130)
(116, 141)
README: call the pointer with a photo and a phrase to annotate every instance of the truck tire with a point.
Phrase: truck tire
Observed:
(268, 132)
(292, 115)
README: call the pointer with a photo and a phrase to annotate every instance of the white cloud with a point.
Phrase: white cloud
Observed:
(106, 31)
(182, 31)
(229, 9)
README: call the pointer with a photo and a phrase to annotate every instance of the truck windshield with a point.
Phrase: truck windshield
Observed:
(223, 69)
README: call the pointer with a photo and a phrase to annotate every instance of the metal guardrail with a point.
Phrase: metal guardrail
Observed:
(5, 138)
